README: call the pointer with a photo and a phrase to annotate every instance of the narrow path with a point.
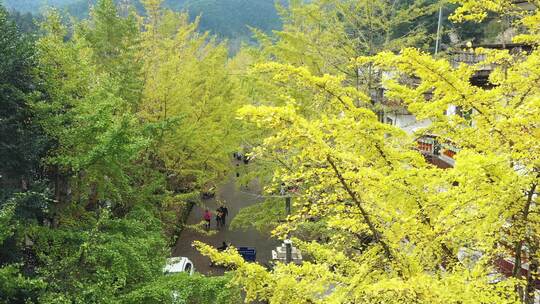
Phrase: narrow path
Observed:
(235, 200)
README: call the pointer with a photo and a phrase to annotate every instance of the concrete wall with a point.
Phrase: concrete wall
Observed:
(406, 122)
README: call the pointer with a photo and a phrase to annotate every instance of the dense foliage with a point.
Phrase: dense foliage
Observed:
(99, 145)
(21, 140)
(187, 289)
(375, 221)
(112, 125)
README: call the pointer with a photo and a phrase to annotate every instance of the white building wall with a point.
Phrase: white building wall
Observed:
(406, 122)
(409, 124)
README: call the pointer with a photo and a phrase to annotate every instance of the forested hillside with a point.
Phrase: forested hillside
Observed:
(34, 6)
(234, 19)
(226, 18)
(231, 18)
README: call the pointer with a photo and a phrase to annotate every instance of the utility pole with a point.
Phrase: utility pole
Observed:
(439, 24)
(288, 205)
(287, 241)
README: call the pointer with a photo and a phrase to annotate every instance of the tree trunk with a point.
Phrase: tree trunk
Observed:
(61, 193)
(516, 272)
(377, 235)
(518, 251)
(92, 197)
(531, 282)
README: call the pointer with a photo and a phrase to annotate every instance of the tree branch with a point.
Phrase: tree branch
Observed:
(376, 234)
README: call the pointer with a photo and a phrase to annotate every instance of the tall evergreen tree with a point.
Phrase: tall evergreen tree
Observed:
(22, 142)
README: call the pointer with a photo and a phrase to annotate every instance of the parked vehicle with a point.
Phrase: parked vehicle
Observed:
(179, 264)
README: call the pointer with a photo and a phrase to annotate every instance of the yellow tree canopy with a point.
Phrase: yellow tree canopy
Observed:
(399, 230)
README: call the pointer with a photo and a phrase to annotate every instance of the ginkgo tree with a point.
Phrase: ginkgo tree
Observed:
(401, 230)
(498, 162)
(96, 133)
(324, 35)
(189, 92)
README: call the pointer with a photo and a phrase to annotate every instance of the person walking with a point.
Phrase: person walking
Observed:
(219, 218)
(224, 212)
(207, 217)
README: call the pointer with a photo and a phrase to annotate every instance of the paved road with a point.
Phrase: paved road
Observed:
(235, 200)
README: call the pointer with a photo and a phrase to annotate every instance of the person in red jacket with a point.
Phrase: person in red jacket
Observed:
(207, 217)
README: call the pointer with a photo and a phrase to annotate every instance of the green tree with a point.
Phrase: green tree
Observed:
(107, 166)
(188, 90)
(323, 35)
(14, 286)
(90, 113)
(114, 40)
(22, 142)
(182, 288)
(103, 257)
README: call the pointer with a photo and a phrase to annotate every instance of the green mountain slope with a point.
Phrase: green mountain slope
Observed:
(225, 18)
(33, 6)
(231, 18)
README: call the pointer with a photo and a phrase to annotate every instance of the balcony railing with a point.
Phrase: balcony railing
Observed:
(438, 153)
(469, 58)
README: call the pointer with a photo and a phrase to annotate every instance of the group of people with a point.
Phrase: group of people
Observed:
(221, 215)
(245, 159)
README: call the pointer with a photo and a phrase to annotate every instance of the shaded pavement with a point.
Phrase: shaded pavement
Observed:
(234, 199)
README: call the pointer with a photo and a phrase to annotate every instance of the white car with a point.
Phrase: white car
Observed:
(179, 264)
